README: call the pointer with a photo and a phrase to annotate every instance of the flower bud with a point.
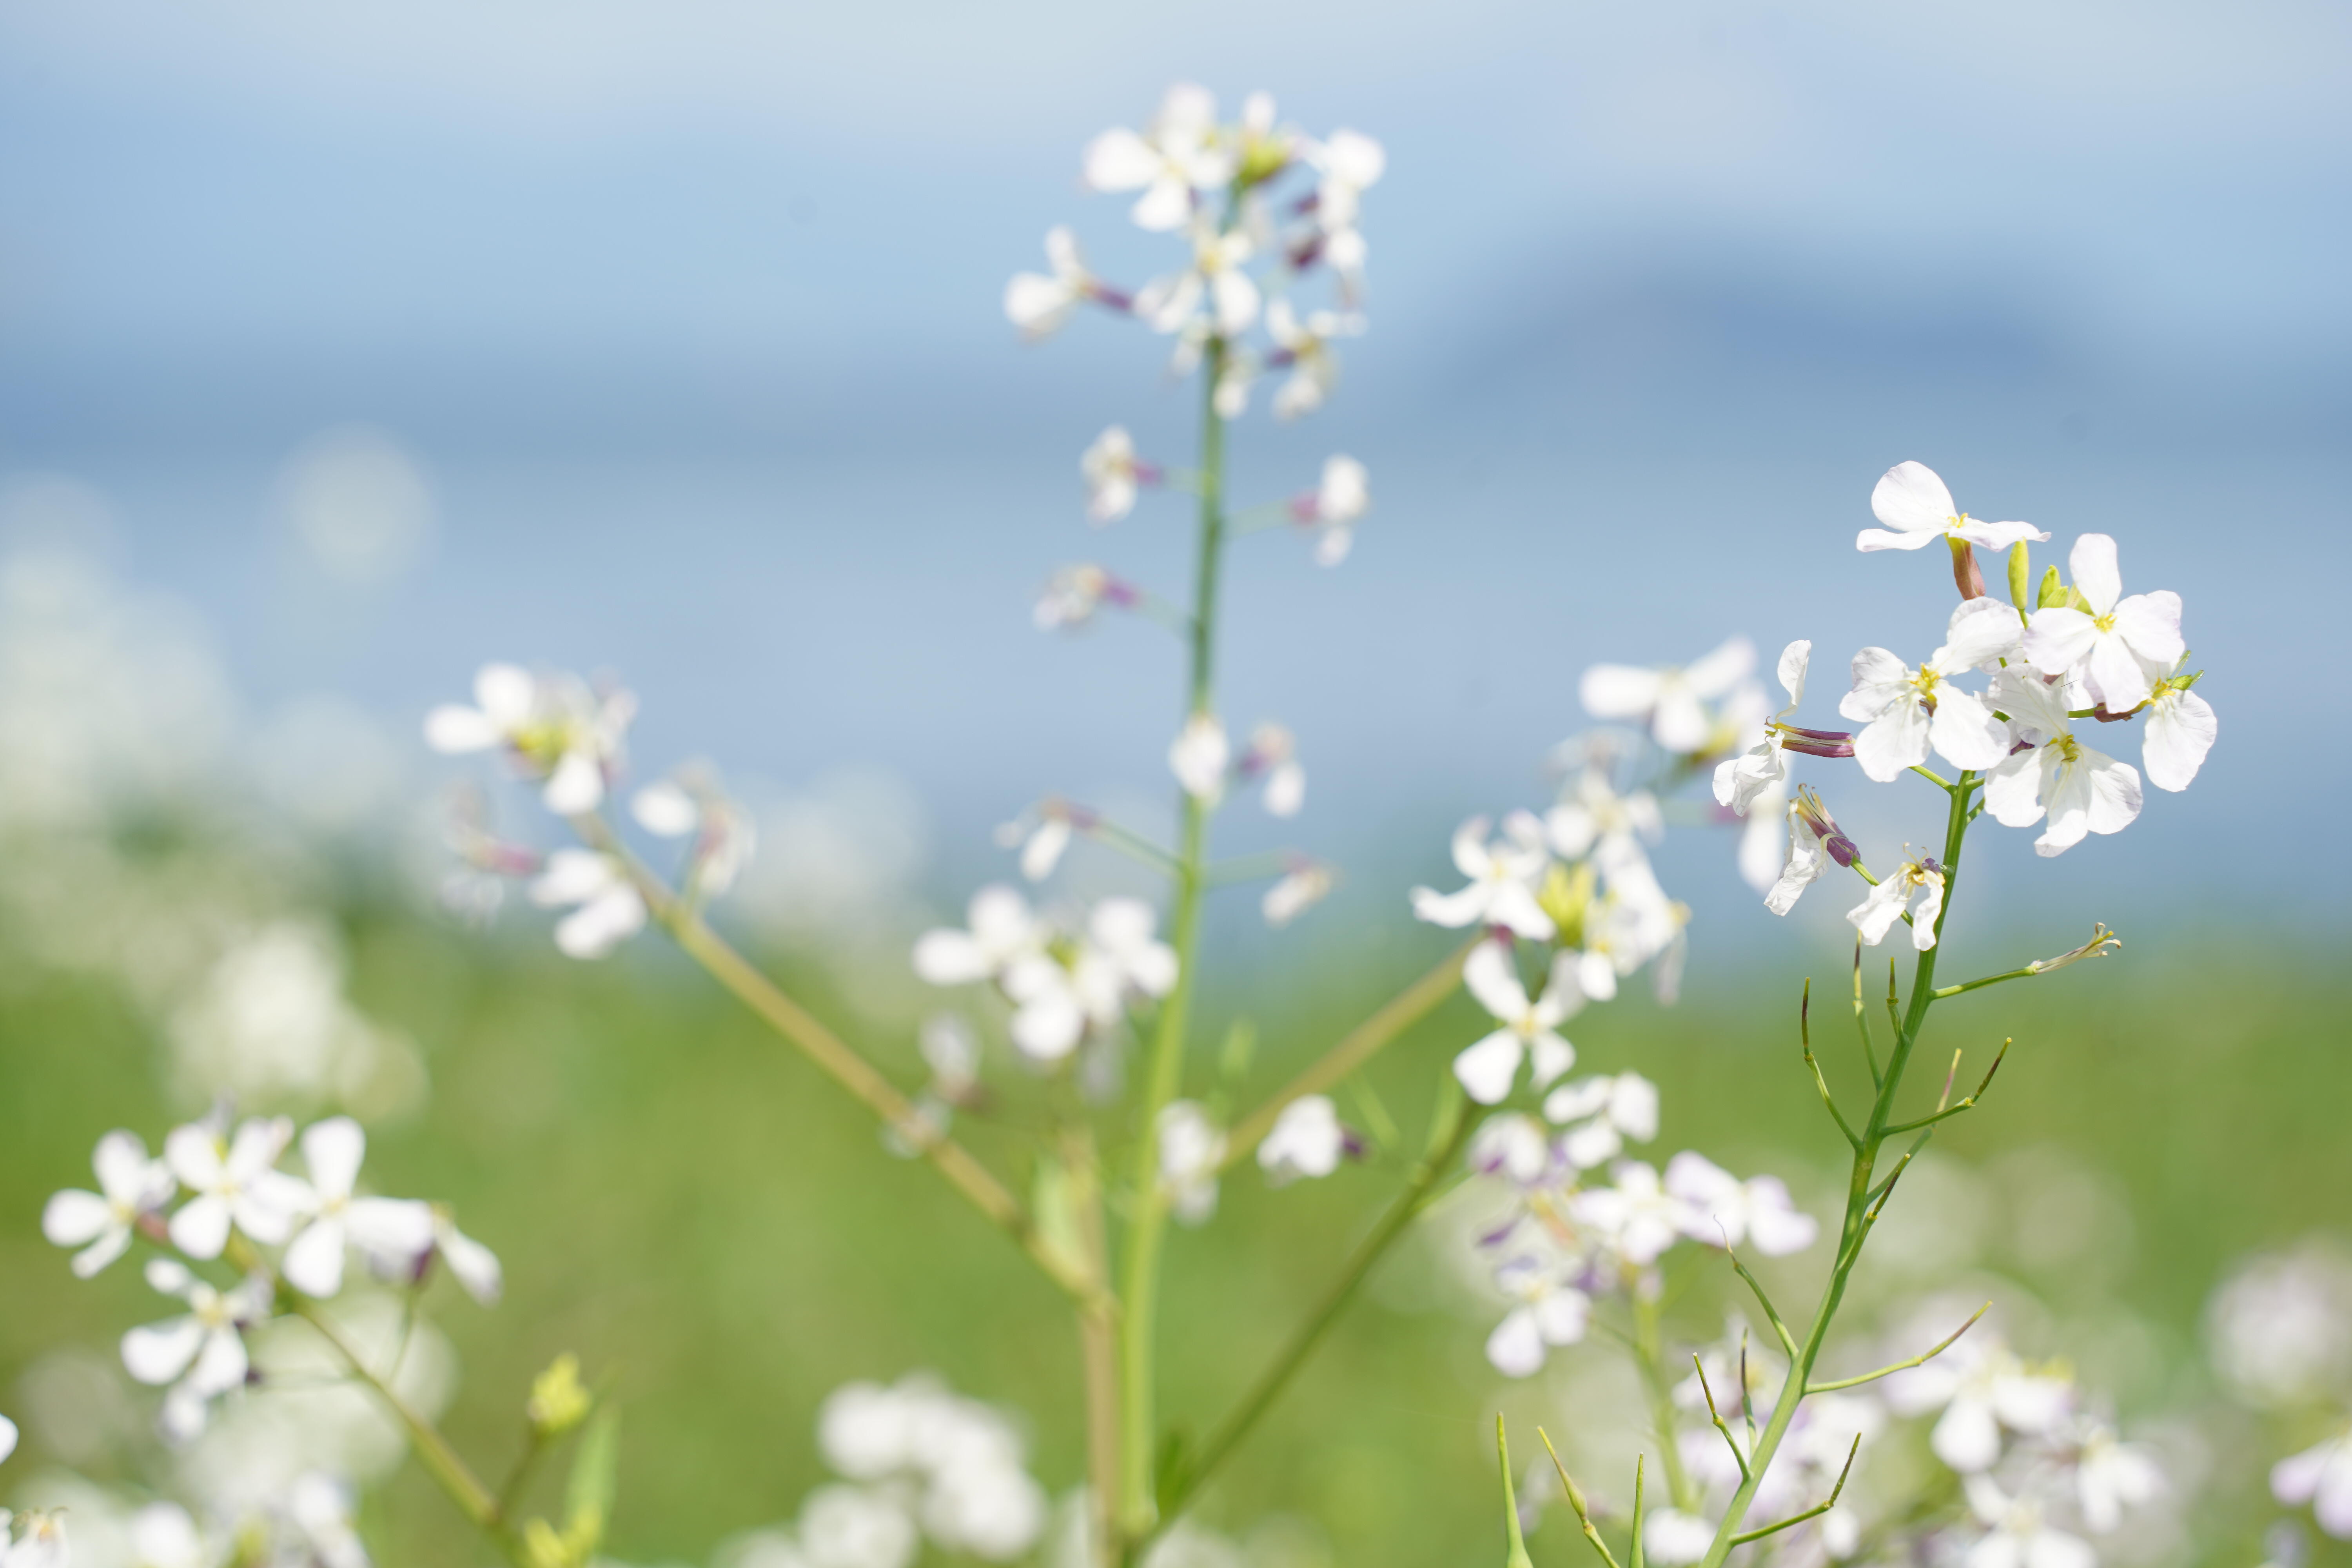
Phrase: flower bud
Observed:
(1965, 576)
(1564, 895)
(2021, 575)
(557, 1402)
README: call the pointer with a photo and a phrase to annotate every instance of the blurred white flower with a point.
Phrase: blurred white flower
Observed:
(1670, 701)
(1606, 1110)
(1502, 889)
(207, 1344)
(1529, 1027)
(2112, 1476)
(1306, 1140)
(1725, 1211)
(1350, 164)
(1217, 275)
(553, 729)
(1591, 813)
(164, 1535)
(1294, 892)
(1113, 474)
(1040, 303)
(1303, 347)
(7, 1436)
(2281, 1328)
(1273, 755)
(1549, 1311)
(607, 908)
(1001, 932)
(1191, 1148)
(1638, 1217)
(1514, 1146)
(130, 1187)
(474, 1266)
(1904, 711)
(1884, 904)
(2322, 1477)
(1672, 1537)
(1173, 156)
(1910, 500)
(690, 801)
(1335, 506)
(1740, 781)
(858, 1527)
(2118, 647)
(2082, 791)
(236, 1183)
(391, 1234)
(2017, 1534)
(1200, 756)
(1074, 593)
(1982, 1389)
(1057, 996)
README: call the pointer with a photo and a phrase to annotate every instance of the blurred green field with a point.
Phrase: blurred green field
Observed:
(677, 1198)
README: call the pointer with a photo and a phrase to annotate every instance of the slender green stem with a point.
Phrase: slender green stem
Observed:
(1133, 843)
(2028, 973)
(1862, 1022)
(1448, 1132)
(1863, 1199)
(1649, 1355)
(1947, 1342)
(1146, 1227)
(1738, 1456)
(1360, 1043)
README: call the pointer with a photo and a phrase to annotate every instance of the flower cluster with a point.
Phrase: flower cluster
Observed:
(1062, 982)
(234, 1202)
(920, 1461)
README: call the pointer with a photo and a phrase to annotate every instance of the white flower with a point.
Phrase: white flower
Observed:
(1191, 1148)
(1074, 593)
(1638, 1217)
(2180, 730)
(1904, 711)
(130, 1186)
(1170, 304)
(1273, 753)
(1529, 1028)
(474, 1266)
(1337, 503)
(665, 809)
(2322, 1477)
(2118, 646)
(1910, 500)
(1726, 1211)
(607, 909)
(1503, 876)
(1608, 1110)
(2110, 1476)
(1113, 474)
(1591, 813)
(858, 1527)
(691, 801)
(1306, 1140)
(237, 1185)
(2081, 790)
(1815, 841)
(1672, 1538)
(1762, 770)
(1200, 756)
(1176, 155)
(1296, 890)
(1514, 1146)
(1983, 1390)
(164, 1535)
(1350, 164)
(1041, 848)
(43, 1542)
(7, 1436)
(1039, 303)
(2017, 1535)
(392, 1234)
(207, 1344)
(1884, 904)
(1671, 701)
(554, 729)
(1304, 348)
(1001, 932)
(1055, 1002)
(1550, 1311)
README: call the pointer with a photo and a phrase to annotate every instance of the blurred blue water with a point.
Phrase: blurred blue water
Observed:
(690, 314)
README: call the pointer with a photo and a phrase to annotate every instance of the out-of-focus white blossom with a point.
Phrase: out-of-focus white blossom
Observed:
(391, 1234)
(2018, 1533)
(1671, 1537)
(474, 1266)
(1273, 755)
(1335, 506)
(1178, 153)
(1548, 1311)
(2113, 1477)
(235, 1183)
(2281, 1328)
(1000, 932)
(1294, 892)
(1502, 889)
(1725, 1211)
(1600, 1114)
(1670, 702)
(1919, 879)
(1913, 502)
(1638, 1217)
(130, 1187)
(1057, 996)
(1191, 1148)
(2320, 1476)
(691, 801)
(1218, 279)
(1514, 1146)
(553, 729)
(203, 1349)
(607, 908)
(1983, 1390)
(1529, 1028)
(2082, 791)
(1306, 1140)
(858, 1527)
(1113, 474)
(1074, 593)
(1040, 303)
(1201, 756)
(1762, 770)
(2118, 647)
(1303, 347)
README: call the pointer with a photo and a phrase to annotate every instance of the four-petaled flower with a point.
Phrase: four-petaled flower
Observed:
(1912, 501)
(1176, 155)
(391, 1234)
(1548, 1310)
(1170, 304)
(1725, 1210)
(1606, 1110)
(1671, 702)
(1113, 474)
(130, 1187)
(237, 1185)
(1306, 1140)
(1501, 892)
(2017, 1534)
(1530, 1028)
(607, 908)
(2118, 647)
(2082, 791)
(1884, 904)
(1904, 711)
(1303, 346)
(1637, 1215)
(206, 1343)
(554, 729)
(1039, 303)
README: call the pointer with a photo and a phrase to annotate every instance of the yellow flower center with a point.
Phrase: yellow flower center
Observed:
(2105, 623)
(2069, 748)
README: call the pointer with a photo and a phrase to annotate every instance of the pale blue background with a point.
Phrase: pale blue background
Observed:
(691, 312)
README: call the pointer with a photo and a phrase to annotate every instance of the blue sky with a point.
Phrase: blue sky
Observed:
(690, 313)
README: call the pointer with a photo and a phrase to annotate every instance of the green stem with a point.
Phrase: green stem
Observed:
(1146, 1228)
(1649, 1353)
(1859, 1193)
(1447, 1134)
